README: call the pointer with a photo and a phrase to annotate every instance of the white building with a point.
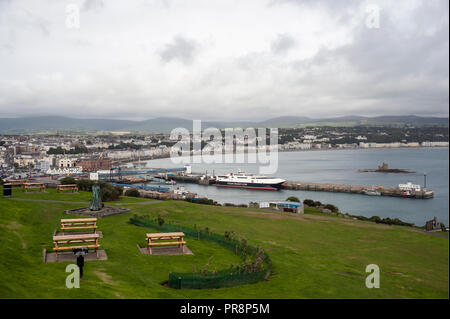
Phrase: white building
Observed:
(435, 144)
(65, 162)
(24, 160)
(65, 170)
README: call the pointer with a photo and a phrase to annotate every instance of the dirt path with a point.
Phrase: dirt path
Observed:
(76, 202)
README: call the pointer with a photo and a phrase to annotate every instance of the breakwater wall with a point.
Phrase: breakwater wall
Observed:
(321, 187)
(357, 189)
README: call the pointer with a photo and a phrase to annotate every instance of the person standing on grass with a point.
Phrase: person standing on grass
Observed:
(80, 264)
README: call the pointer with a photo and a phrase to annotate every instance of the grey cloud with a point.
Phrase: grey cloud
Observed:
(283, 43)
(389, 69)
(92, 5)
(339, 67)
(39, 22)
(180, 49)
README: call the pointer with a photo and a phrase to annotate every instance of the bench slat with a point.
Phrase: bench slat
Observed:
(75, 237)
(157, 235)
(78, 220)
(77, 247)
(76, 241)
(80, 227)
(168, 244)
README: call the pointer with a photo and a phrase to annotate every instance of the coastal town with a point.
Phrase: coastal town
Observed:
(63, 154)
(224, 158)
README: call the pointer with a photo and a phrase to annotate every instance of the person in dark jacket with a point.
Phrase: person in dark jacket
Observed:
(80, 264)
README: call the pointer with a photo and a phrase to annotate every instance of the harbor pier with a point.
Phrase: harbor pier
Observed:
(357, 189)
(423, 193)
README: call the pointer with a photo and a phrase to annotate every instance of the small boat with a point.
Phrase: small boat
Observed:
(372, 192)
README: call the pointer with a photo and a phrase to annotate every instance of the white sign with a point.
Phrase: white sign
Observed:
(93, 176)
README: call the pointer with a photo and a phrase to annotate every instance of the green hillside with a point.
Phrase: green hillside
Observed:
(314, 256)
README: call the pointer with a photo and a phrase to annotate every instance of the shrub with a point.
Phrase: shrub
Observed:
(205, 201)
(308, 202)
(293, 199)
(133, 192)
(67, 180)
(375, 219)
(85, 185)
(317, 204)
(110, 193)
(229, 204)
(161, 220)
(331, 207)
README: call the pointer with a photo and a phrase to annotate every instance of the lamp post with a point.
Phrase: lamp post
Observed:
(424, 180)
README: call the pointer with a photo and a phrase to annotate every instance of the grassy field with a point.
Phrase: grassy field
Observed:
(81, 196)
(314, 256)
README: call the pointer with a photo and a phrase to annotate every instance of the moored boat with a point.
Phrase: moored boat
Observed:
(248, 181)
(372, 192)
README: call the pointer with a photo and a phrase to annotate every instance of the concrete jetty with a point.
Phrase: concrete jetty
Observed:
(357, 189)
(322, 187)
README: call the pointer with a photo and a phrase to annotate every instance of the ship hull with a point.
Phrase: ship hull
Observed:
(258, 186)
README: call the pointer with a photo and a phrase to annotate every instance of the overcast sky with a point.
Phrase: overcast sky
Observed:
(223, 59)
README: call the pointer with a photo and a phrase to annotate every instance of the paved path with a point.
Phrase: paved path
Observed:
(75, 202)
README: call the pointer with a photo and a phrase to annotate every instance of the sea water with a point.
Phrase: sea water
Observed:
(341, 167)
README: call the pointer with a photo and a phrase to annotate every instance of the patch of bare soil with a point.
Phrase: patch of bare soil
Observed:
(105, 277)
(397, 273)
(348, 274)
(270, 215)
(360, 224)
(14, 225)
(371, 241)
(23, 242)
(274, 243)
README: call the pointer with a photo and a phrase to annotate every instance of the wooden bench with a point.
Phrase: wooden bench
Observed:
(160, 239)
(65, 242)
(17, 182)
(27, 186)
(79, 223)
(71, 187)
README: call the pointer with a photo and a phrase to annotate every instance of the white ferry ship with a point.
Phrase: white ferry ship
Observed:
(248, 181)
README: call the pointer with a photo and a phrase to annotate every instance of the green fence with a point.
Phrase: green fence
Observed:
(256, 267)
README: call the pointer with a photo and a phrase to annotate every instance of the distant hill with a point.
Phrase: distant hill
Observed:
(59, 123)
(357, 120)
(166, 124)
